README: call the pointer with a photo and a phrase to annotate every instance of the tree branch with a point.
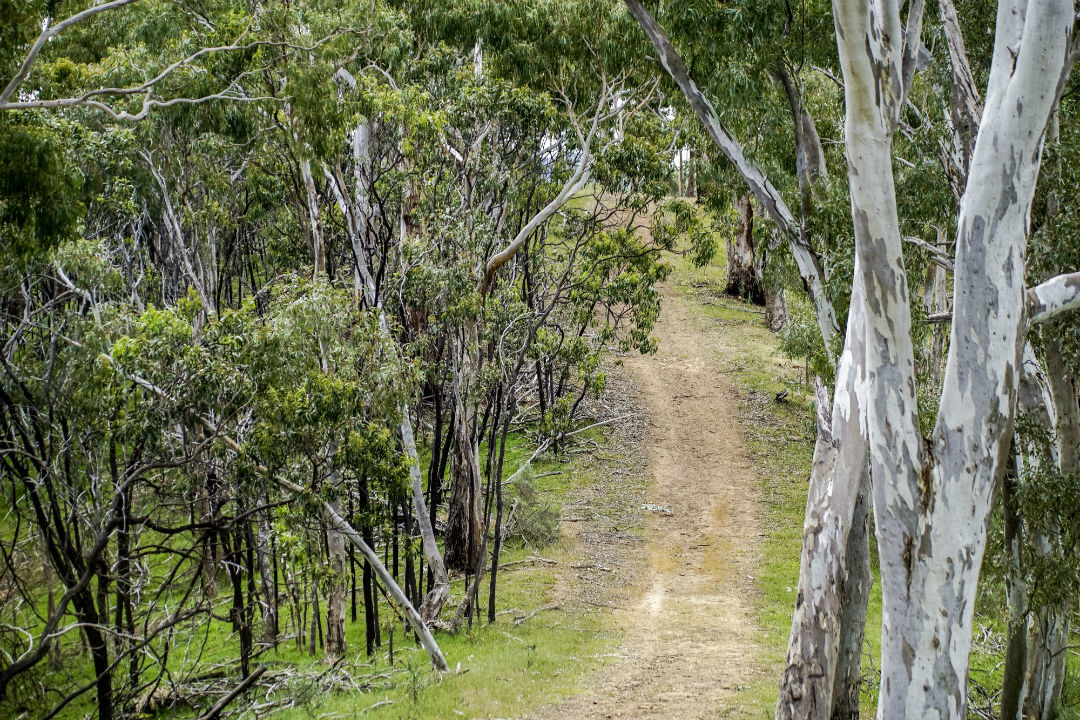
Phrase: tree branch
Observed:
(1053, 297)
(765, 192)
(46, 34)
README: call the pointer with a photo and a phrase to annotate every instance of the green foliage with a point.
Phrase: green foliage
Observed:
(40, 202)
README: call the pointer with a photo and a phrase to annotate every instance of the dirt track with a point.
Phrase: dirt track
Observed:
(689, 641)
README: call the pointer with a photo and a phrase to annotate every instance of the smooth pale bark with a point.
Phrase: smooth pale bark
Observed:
(872, 76)
(764, 191)
(806, 690)
(1048, 628)
(932, 503)
(1053, 297)
(315, 228)
(974, 425)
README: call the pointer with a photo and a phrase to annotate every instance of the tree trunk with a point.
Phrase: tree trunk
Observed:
(743, 275)
(1048, 631)
(932, 500)
(807, 687)
(336, 595)
(1016, 600)
(776, 312)
(463, 536)
(855, 596)
(266, 575)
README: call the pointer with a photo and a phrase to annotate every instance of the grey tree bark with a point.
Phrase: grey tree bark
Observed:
(932, 500)
(336, 595)
(1048, 626)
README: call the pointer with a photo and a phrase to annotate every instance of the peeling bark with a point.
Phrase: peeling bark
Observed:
(806, 689)
(743, 272)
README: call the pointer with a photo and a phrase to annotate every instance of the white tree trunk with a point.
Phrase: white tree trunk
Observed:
(806, 690)
(932, 503)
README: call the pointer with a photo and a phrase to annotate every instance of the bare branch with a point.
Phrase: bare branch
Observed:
(1053, 297)
(570, 189)
(46, 34)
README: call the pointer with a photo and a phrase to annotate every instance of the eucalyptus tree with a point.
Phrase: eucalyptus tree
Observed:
(932, 498)
(922, 539)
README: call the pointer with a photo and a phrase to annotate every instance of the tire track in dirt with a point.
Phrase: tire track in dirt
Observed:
(689, 638)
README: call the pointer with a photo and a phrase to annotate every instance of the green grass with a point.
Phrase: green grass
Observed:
(501, 669)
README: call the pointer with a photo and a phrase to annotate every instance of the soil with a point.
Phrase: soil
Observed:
(683, 588)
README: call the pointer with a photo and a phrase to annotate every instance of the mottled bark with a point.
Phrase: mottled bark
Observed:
(932, 501)
(807, 686)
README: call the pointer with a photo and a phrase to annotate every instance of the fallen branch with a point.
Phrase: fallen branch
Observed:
(534, 613)
(215, 711)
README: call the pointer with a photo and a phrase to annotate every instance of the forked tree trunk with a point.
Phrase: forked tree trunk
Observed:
(932, 502)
